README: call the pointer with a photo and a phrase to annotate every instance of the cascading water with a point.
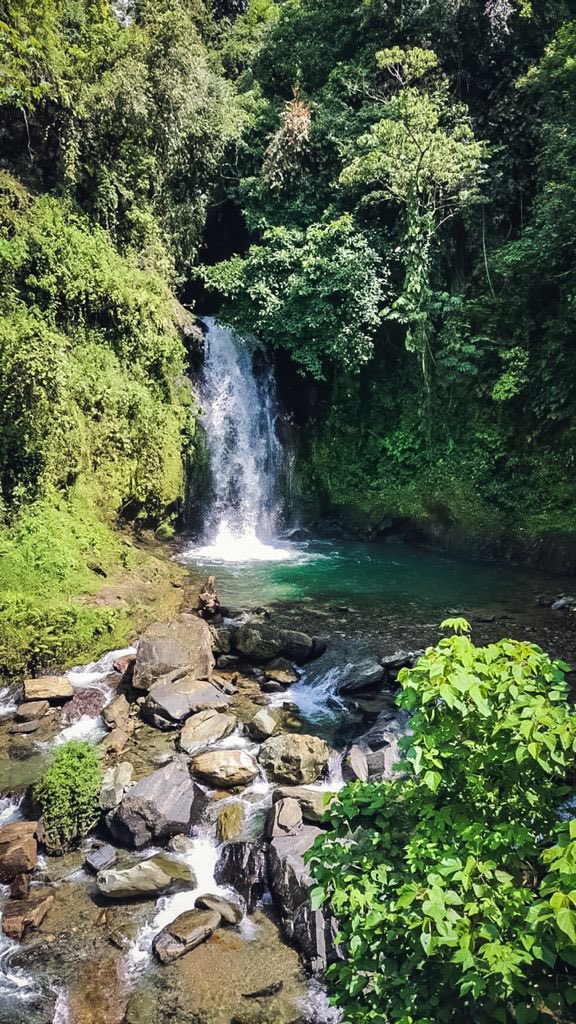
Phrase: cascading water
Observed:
(245, 453)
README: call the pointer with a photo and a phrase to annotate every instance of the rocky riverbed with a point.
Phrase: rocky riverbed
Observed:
(189, 899)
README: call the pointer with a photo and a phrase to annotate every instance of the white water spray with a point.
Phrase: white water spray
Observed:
(245, 454)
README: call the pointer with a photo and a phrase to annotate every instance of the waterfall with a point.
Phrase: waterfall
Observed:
(240, 413)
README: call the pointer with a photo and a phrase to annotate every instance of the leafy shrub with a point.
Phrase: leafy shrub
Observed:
(68, 794)
(454, 885)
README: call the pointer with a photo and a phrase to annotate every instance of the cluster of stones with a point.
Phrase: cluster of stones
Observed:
(203, 682)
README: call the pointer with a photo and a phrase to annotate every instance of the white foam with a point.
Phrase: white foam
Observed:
(88, 727)
(93, 675)
(13, 982)
(229, 546)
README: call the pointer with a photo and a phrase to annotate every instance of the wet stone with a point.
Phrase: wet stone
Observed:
(101, 858)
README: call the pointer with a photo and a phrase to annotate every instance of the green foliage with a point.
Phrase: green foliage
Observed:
(453, 885)
(317, 293)
(68, 794)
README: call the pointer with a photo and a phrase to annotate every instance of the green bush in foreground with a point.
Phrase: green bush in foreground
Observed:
(455, 884)
(68, 794)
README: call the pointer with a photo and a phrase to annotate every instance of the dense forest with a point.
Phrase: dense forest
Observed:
(383, 192)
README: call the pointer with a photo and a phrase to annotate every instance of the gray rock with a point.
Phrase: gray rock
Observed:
(171, 701)
(375, 754)
(24, 727)
(242, 865)
(184, 934)
(230, 912)
(284, 818)
(205, 728)
(226, 768)
(262, 725)
(33, 710)
(164, 804)
(367, 675)
(226, 662)
(101, 858)
(183, 646)
(261, 641)
(290, 882)
(150, 877)
(115, 782)
(293, 758)
(313, 802)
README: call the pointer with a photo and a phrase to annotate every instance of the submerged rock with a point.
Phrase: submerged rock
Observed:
(147, 878)
(205, 728)
(183, 645)
(294, 758)
(226, 768)
(242, 865)
(162, 805)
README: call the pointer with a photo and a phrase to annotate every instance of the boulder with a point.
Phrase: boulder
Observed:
(18, 849)
(392, 663)
(284, 818)
(124, 666)
(101, 858)
(262, 725)
(242, 865)
(114, 784)
(225, 768)
(375, 754)
(162, 805)
(21, 915)
(116, 715)
(54, 689)
(170, 701)
(312, 801)
(293, 758)
(33, 710)
(183, 646)
(205, 728)
(261, 641)
(231, 913)
(367, 675)
(146, 878)
(281, 671)
(184, 934)
(115, 741)
(230, 821)
(290, 883)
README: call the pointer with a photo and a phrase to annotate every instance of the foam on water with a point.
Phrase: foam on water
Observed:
(93, 675)
(14, 983)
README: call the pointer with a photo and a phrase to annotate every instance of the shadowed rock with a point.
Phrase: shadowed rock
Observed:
(164, 804)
